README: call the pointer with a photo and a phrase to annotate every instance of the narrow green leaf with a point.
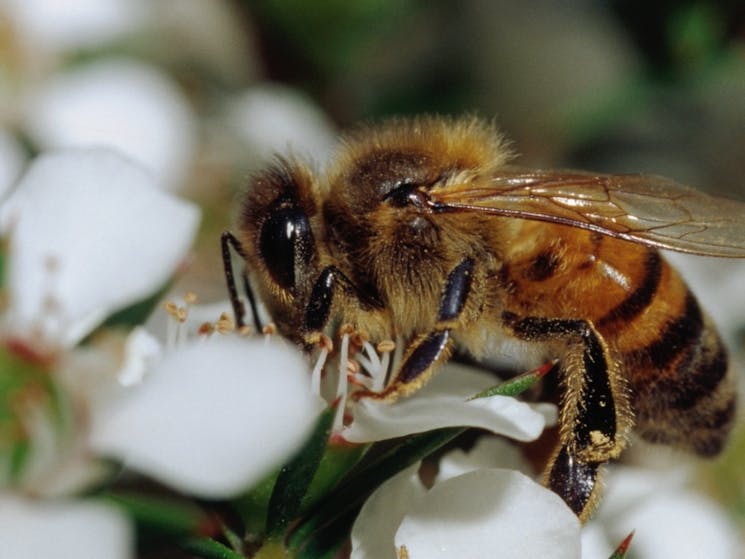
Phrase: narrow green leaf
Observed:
(161, 516)
(621, 550)
(252, 506)
(136, 314)
(209, 549)
(295, 477)
(327, 525)
(338, 459)
(518, 384)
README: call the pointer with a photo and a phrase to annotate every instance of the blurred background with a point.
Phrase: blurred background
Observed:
(204, 92)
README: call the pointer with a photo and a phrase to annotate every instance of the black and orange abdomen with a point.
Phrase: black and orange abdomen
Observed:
(669, 351)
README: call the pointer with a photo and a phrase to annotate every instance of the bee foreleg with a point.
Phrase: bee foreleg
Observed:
(595, 417)
(320, 302)
(426, 351)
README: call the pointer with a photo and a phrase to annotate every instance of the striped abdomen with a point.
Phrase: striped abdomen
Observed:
(683, 393)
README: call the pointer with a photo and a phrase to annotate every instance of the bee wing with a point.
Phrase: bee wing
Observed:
(648, 209)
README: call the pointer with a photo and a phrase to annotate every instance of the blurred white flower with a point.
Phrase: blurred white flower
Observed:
(271, 119)
(669, 519)
(483, 513)
(213, 418)
(89, 234)
(73, 24)
(12, 160)
(120, 103)
(32, 529)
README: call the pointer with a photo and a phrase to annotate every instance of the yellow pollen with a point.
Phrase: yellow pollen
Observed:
(171, 308)
(386, 346)
(190, 298)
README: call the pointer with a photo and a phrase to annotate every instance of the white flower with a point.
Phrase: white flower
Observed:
(669, 519)
(273, 119)
(483, 513)
(63, 530)
(213, 418)
(12, 161)
(70, 24)
(89, 234)
(119, 103)
(445, 402)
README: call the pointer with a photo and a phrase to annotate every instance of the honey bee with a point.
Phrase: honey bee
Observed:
(423, 230)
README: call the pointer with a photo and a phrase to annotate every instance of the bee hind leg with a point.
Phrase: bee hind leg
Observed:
(595, 416)
(427, 350)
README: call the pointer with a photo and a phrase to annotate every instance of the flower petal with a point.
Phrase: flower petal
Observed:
(490, 513)
(74, 24)
(12, 160)
(63, 530)
(90, 234)
(122, 104)
(215, 417)
(376, 524)
(443, 402)
(272, 118)
(488, 452)
(681, 525)
(670, 520)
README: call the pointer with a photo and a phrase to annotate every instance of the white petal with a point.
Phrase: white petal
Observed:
(12, 160)
(490, 513)
(141, 352)
(681, 525)
(669, 520)
(67, 24)
(376, 524)
(63, 530)
(214, 417)
(121, 104)
(90, 231)
(489, 452)
(443, 402)
(271, 119)
(595, 544)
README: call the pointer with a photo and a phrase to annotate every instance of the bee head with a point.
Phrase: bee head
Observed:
(276, 234)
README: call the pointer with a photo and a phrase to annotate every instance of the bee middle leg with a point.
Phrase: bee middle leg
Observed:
(595, 417)
(427, 350)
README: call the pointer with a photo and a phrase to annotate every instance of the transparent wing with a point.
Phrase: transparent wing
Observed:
(648, 209)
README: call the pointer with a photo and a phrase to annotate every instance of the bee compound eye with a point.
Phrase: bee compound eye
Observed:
(286, 240)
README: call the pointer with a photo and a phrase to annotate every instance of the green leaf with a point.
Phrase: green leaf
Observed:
(209, 549)
(137, 313)
(518, 384)
(621, 550)
(327, 525)
(160, 516)
(25, 384)
(295, 477)
(337, 460)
